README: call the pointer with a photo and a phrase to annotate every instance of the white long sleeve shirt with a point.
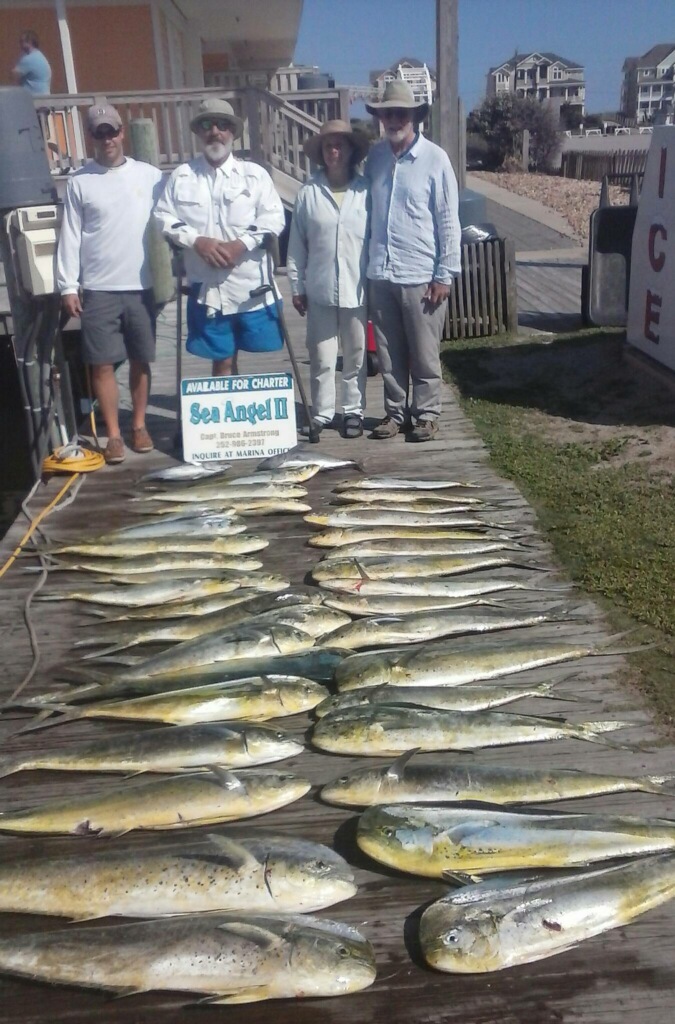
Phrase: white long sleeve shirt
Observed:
(103, 245)
(236, 201)
(415, 233)
(328, 245)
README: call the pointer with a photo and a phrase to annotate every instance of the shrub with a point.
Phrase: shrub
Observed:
(501, 120)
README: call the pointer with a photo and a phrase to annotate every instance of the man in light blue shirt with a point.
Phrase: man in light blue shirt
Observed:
(33, 70)
(413, 256)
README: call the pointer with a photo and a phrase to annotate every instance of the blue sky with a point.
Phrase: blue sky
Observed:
(349, 38)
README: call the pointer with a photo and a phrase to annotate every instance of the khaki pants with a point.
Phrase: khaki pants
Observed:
(330, 328)
(408, 346)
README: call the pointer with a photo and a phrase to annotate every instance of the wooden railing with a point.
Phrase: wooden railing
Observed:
(483, 299)
(275, 124)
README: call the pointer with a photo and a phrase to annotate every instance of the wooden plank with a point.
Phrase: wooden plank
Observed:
(628, 971)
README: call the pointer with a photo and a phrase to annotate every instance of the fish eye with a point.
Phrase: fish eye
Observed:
(342, 951)
(343, 780)
(279, 735)
(388, 831)
(451, 938)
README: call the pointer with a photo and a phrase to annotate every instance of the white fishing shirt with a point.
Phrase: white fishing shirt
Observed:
(236, 201)
(328, 245)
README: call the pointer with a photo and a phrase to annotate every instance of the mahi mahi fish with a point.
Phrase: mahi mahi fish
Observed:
(434, 841)
(301, 455)
(400, 483)
(336, 536)
(390, 729)
(367, 516)
(448, 663)
(169, 590)
(248, 600)
(178, 801)
(224, 492)
(415, 567)
(207, 874)
(417, 627)
(240, 544)
(470, 585)
(225, 958)
(501, 923)
(240, 642)
(444, 498)
(188, 746)
(446, 698)
(388, 546)
(407, 780)
(157, 562)
(186, 471)
(394, 604)
(254, 699)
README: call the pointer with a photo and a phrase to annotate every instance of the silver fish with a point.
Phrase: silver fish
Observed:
(400, 483)
(227, 958)
(185, 471)
(303, 455)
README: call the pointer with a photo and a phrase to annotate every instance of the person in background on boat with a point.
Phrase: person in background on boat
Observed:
(219, 209)
(104, 275)
(327, 261)
(32, 70)
(414, 254)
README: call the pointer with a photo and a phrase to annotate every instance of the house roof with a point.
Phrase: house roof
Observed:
(654, 56)
(412, 62)
(547, 56)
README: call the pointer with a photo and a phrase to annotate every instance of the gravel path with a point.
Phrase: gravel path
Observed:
(573, 200)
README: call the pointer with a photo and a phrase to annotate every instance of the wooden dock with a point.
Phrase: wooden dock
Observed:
(625, 974)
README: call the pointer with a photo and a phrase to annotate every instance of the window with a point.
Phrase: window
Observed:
(520, 74)
(557, 74)
(543, 71)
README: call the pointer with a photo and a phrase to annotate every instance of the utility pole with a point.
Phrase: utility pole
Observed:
(450, 129)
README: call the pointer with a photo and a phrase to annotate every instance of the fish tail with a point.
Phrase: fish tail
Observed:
(9, 764)
(655, 783)
(44, 719)
(547, 690)
(593, 731)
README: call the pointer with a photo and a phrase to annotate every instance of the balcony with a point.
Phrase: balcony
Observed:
(276, 124)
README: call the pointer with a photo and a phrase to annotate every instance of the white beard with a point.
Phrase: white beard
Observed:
(397, 135)
(217, 152)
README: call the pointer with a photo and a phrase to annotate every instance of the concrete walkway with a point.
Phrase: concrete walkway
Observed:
(548, 259)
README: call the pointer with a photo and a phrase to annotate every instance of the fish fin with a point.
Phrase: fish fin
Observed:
(253, 933)
(10, 764)
(462, 835)
(396, 768)
(656, 783)
(227, 779)
(594, 733)
(362, 572)
(236, 854)
(253, 994)
(46, 718)
(124, 993)
(460, 877)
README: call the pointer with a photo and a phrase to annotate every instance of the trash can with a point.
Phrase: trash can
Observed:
(606, 279)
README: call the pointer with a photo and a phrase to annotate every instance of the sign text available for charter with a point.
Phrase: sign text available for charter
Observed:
(244, 417)
(651, 306)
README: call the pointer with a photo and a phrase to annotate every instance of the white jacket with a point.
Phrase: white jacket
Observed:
(328, 246)
(234, 201)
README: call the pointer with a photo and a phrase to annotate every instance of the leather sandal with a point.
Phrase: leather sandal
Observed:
(352, 426)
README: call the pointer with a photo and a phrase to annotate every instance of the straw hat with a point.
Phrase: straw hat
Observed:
(215, 108)
(398, 94)
(359, 141)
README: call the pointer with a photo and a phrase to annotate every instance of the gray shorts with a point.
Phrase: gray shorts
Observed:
(118, 326)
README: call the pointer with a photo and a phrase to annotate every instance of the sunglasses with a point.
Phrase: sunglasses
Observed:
(400, 113)
(221, 123)
(101, 134)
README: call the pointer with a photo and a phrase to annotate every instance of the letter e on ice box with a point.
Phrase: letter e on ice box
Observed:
(651, 302)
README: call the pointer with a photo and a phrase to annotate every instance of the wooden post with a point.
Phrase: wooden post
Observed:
(447, 83)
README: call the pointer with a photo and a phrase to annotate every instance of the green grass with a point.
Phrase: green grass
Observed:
(610, 518)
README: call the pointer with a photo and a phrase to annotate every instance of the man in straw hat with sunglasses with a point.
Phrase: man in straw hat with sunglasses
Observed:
(218, 209)
(414, 254)
(104, 275)
(327, 258)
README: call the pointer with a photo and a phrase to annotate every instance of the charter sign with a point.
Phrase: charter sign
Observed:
(651, 303)
(244, 417)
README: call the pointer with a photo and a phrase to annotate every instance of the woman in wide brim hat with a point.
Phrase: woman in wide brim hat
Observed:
(399, 96)
(358, 141)
(327, 261)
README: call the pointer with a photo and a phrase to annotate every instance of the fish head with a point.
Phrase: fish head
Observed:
(289, 639)
(314, 875)
(358, 789)
(301, 695)
(340, 701)
(393, 837)
(328, 958)
(263, 742)
(460, 940)
(284, 785)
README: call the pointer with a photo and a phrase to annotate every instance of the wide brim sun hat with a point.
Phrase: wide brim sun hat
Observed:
(398, 95)
(214, 107)
(359, 141)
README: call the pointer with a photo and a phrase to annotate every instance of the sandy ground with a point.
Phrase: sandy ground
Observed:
(600, 392)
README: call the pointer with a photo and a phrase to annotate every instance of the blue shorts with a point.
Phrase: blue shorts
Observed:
(222, 335)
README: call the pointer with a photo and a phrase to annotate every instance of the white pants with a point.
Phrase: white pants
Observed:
(330, 328)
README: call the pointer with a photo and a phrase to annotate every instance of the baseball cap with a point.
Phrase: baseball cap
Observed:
(105, 114)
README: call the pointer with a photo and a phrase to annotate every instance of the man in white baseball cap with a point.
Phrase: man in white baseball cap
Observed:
(104, 276)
